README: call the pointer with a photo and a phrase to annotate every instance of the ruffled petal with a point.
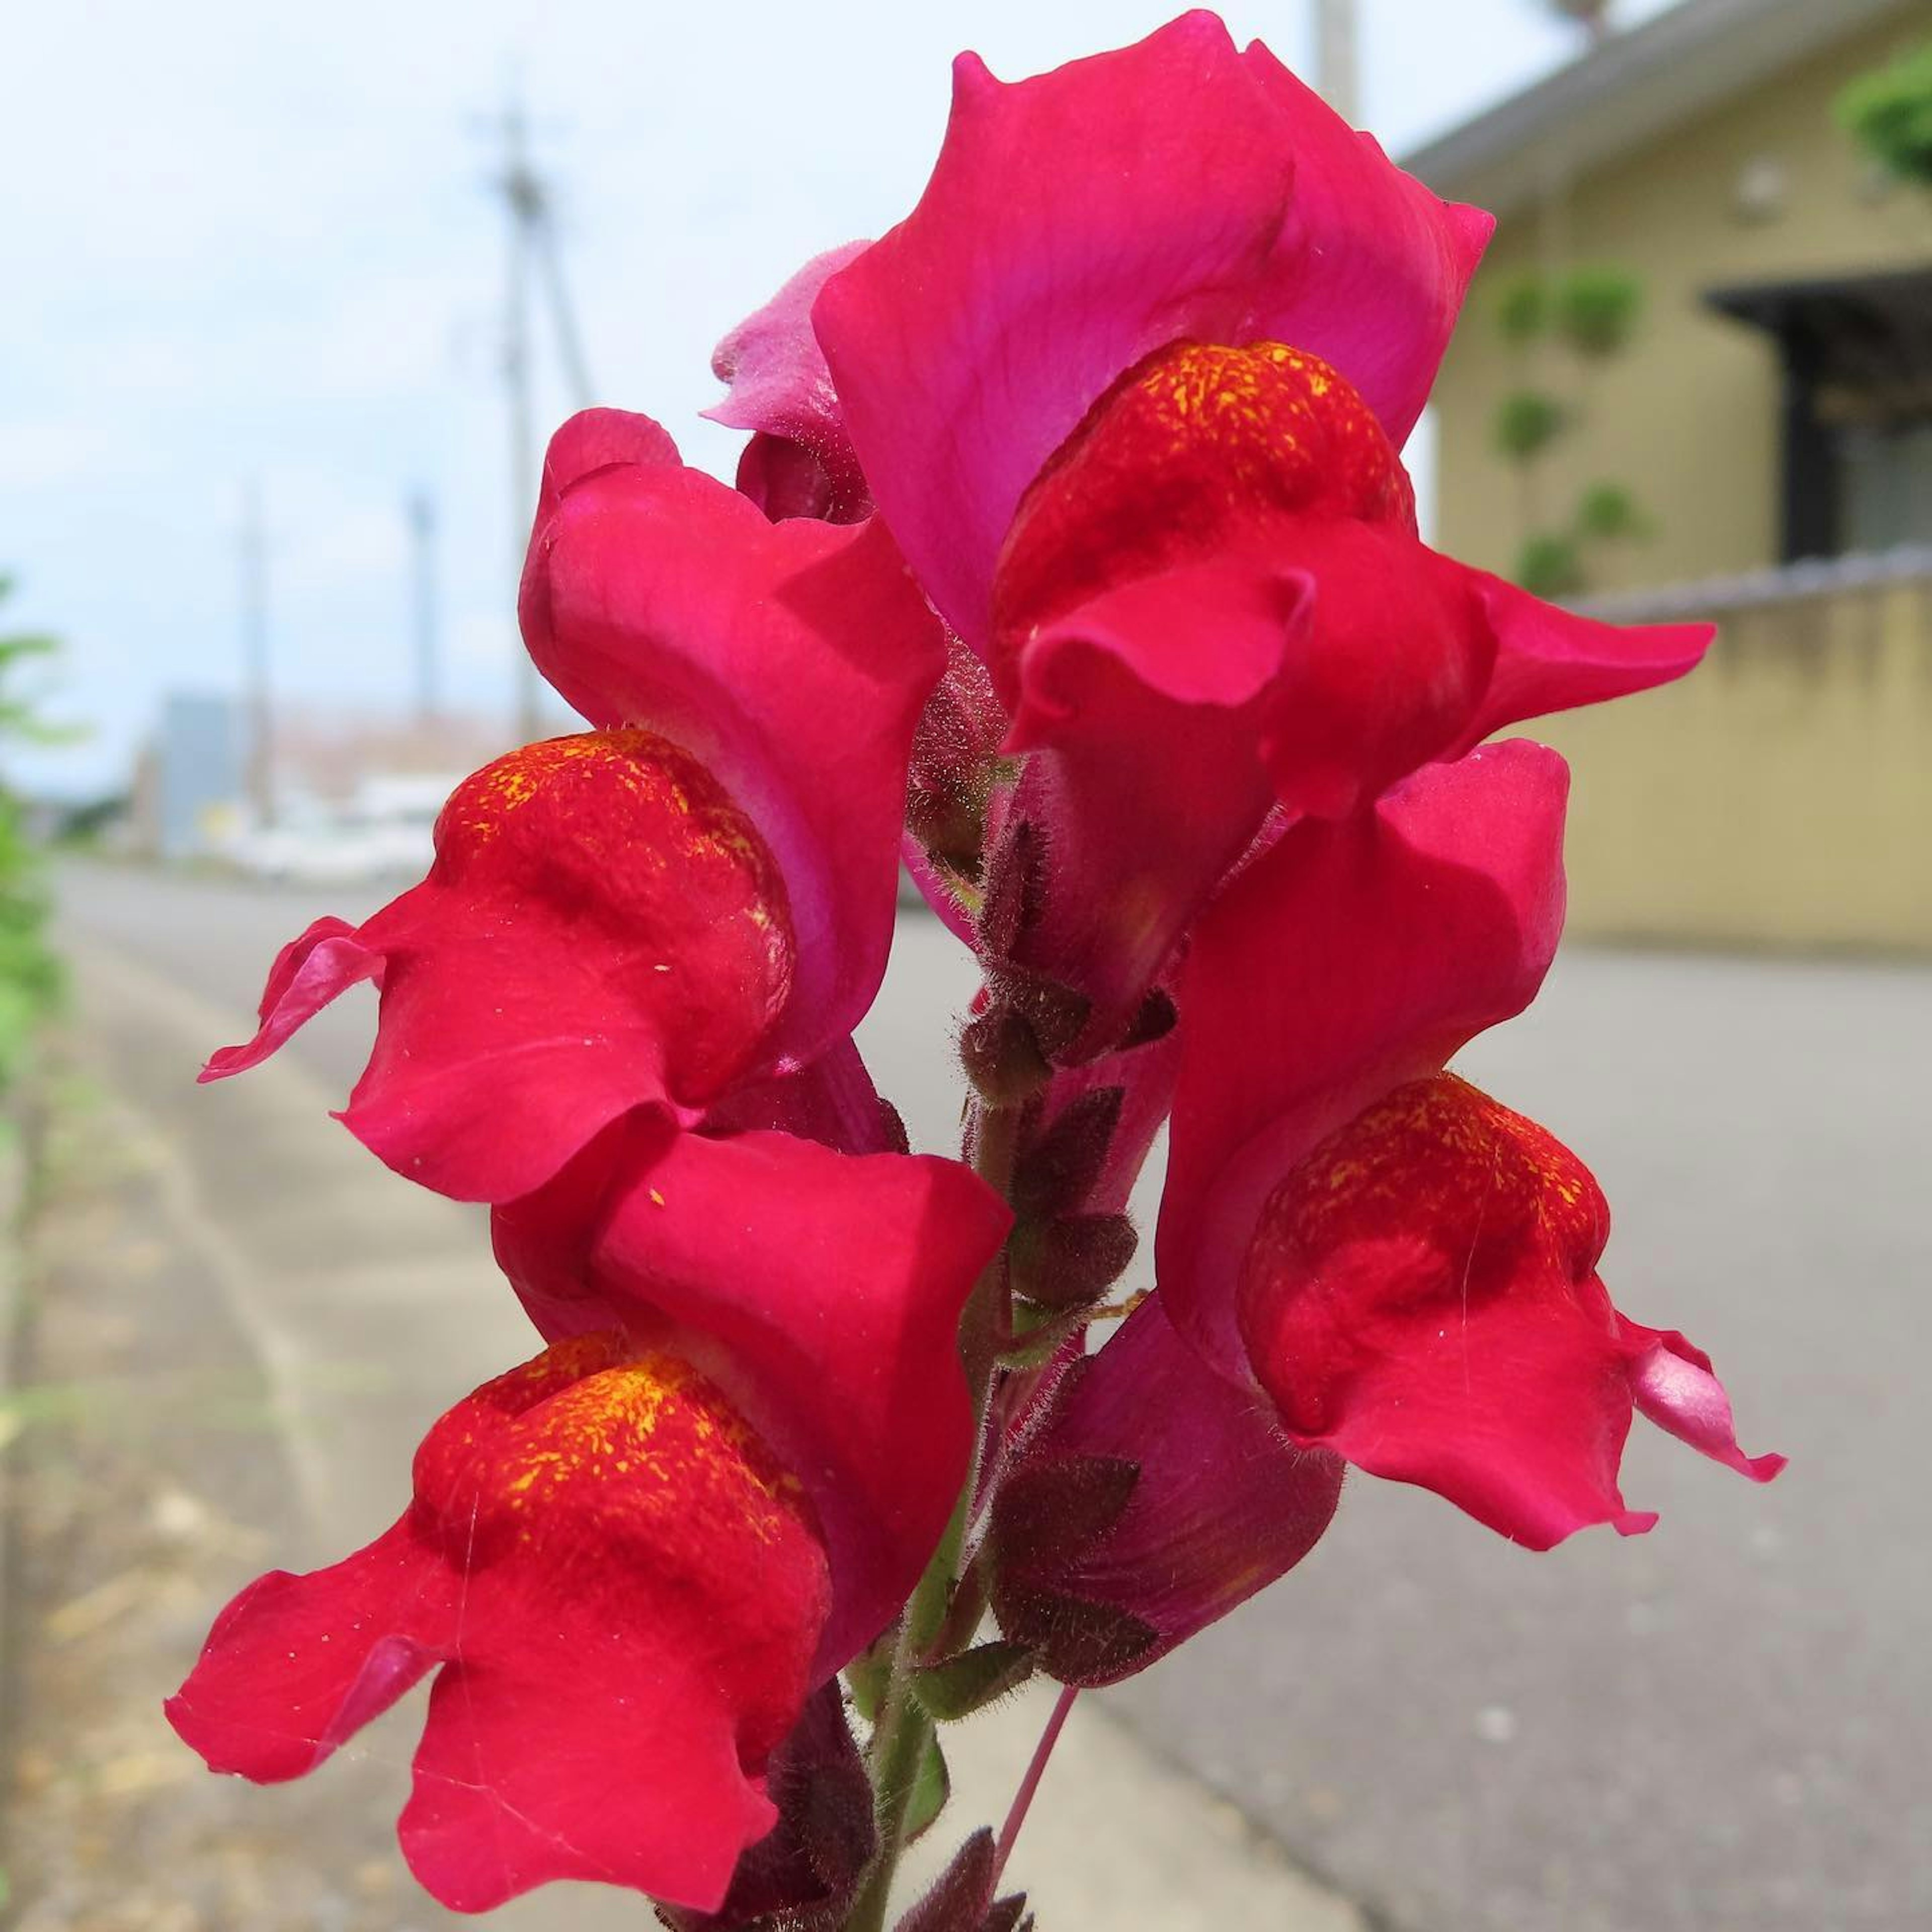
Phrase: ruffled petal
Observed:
(1076, 221)
(625, 1588)
(1549, 659)
(793, 659)
(555, 1749)
(295, 1666)
(800, 462)
(822, 1291)
(1141, 811)
(803, 1873)
(309, 972)
(1213, 1505)
(1674, 1387)
(602, 929)
(1349, 958)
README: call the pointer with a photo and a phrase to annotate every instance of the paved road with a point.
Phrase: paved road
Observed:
(1721, 1728)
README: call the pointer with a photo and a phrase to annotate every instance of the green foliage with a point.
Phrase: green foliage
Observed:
(1597, 308)
(1550, 566)
(30, 977)
(1608, 513)
(1527, 422)
(1522, 309)
(1889, 114)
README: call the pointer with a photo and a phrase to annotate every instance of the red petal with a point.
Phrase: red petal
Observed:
(793, 659)
(822, 1291)
(1078, 221)
(295, 1665)
(782, 389)
(308, 972)
(1349, 959)
(1674, 1387)
(1549, 659)
(564, 1751)
(1421, 1297)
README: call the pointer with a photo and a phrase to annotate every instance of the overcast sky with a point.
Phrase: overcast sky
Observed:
(248, 241)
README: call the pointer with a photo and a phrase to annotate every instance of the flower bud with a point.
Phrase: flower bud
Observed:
(1069, 1263)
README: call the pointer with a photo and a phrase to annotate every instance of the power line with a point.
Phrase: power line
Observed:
(421, 509)
(255, 664)
(532, 253)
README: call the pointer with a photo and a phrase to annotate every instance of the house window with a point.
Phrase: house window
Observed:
(1884, 484)
(1856, 352)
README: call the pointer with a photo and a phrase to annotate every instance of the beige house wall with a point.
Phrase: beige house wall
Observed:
(1781, 795)
(1688, 416)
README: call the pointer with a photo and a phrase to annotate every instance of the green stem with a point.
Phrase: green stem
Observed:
(903, 1732)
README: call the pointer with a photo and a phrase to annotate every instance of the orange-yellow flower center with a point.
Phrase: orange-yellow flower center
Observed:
(629, 838)
(1434, 1199)
(595, 1449)
(1199, 447)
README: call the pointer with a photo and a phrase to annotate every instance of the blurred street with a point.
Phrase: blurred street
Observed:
(1717, 1727)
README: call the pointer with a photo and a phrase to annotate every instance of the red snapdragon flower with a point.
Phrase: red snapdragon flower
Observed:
(636, 1556)
(1406, 1267)
(1128, 386)
(696, 894)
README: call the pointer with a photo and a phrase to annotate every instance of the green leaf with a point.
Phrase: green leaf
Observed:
(1522, 312)
(1527, 423)
(1597, 308)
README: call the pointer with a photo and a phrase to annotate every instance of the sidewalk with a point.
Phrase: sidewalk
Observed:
(248, 1323)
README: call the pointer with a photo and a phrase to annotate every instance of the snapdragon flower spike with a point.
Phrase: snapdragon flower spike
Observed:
(821, 1290)
(697, 893)
(621, 1589)
(1153, 1498)
(1405, 1267)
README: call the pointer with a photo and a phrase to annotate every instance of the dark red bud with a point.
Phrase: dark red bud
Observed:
(1070, 1264)
(960, 1897)
(1002, 1057)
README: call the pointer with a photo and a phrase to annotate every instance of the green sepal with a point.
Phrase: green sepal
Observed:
(930, 1790)
(867, 1675)
(969, 1682)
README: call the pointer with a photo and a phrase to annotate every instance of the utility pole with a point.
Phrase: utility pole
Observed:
(1337, 70)
(532, 253)
(254, 560)
(421, 510)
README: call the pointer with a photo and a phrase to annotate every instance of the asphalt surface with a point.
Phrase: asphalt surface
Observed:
(1721, 1726)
